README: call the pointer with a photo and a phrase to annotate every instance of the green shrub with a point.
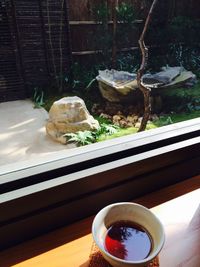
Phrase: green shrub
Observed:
(88, 137)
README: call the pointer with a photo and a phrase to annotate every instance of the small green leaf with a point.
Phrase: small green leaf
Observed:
(81, 137)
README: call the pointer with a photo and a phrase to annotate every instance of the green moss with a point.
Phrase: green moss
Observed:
(119, 133)
(125, 131)
(180, 99)
(185, 116)
(164, 120)
(174, 118)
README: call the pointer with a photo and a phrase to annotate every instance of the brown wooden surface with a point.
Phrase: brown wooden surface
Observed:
(83, 9)
(177, 207)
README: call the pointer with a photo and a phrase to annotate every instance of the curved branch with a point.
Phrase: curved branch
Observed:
(145, 55)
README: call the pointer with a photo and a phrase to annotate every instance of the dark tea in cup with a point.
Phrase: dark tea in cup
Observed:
(128, 241)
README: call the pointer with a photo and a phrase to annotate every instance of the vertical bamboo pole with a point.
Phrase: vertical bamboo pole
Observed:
(44, 38)
(69, 42)
(18, 45)
(106, 22)
(114, 44)
(60, 48)
(51, 43)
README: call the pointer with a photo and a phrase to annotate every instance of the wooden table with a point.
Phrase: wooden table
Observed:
(177, 207)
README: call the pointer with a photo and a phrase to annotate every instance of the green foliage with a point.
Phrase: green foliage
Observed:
(103, 120)
(163, 121)
(176, 41)
(101, 13)
(183, 49)
(182, 55)
(121, 132)
(128, 62)
(82, 138)
(84, 83)
(84, 76)
(103, 39)
(38, 98)
(88, 137)
(126, 13)
(105, 129)
(176, 117)
(194, 105)
(108, 131)
(181, 99)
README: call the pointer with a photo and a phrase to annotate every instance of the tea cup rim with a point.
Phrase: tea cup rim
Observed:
(148, 258)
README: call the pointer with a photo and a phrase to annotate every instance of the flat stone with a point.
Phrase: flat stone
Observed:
(184, 78)
(166, 76)
(169, 77)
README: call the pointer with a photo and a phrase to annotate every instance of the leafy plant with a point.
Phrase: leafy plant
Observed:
(163, 121)
(103, 120)
(194, 105)
(38, 98)
(128, 61)
(126, 16)
(126, 13)
(83, 76)
(180, 54)
(106, 129)
(83, 138)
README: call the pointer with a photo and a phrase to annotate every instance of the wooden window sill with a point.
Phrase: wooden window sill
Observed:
(177, 206)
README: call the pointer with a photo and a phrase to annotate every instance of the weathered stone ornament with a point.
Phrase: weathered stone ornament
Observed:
(69, 115)
(119, 86)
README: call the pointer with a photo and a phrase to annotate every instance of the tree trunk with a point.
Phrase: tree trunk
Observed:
(145, 91)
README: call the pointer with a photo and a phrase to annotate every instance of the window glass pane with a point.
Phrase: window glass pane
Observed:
(66, 48)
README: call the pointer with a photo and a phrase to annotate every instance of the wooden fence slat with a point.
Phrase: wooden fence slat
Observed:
(38, 37)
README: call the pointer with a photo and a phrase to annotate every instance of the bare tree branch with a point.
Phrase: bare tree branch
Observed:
(145, 55)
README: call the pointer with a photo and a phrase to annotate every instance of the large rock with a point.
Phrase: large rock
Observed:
(169, 77)
(117, 86)
(69, 115)
(159, 79)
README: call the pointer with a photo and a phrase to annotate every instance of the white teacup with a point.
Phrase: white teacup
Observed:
(132, 212)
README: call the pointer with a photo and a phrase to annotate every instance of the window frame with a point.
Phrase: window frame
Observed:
(63, 189)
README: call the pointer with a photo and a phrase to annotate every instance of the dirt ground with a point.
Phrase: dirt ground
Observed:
(23, 135)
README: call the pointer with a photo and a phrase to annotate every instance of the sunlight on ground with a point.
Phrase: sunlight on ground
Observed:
(22, 124)
(6, 136)
(22, 133)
